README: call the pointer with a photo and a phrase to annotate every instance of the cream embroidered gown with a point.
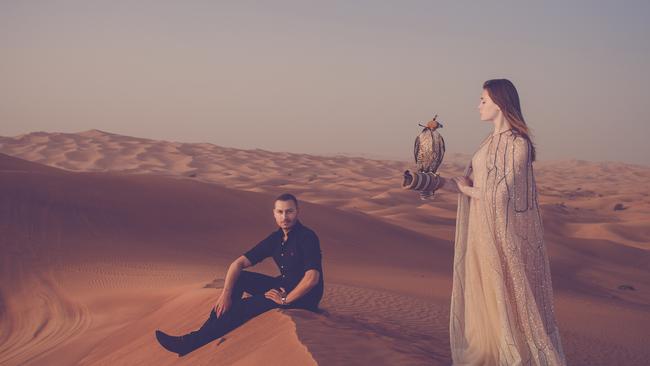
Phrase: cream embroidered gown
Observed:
(502, 299)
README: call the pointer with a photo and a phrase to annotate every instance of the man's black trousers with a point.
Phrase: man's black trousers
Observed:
(241, 309)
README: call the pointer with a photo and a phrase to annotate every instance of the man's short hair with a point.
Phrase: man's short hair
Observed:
(287, 197)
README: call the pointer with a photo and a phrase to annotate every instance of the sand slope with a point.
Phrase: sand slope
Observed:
(119, 246)
(366, 185)
(96, 257)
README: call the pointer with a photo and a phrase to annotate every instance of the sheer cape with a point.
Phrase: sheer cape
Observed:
(525, 329)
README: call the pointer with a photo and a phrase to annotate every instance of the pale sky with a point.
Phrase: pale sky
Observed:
(329, 77)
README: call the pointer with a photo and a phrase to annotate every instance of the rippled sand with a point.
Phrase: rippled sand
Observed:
(106, 238)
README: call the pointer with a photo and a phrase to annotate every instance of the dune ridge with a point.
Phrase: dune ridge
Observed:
(133, 226)
(352, 183)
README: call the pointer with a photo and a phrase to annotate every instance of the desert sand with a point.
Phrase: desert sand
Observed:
(105, 238)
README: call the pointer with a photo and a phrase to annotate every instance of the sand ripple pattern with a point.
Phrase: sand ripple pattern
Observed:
(36, 318)
(375, 327)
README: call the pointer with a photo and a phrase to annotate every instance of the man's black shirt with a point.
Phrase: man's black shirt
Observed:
(300, 253)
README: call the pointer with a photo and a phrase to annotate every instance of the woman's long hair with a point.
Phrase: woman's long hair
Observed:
(504, 94)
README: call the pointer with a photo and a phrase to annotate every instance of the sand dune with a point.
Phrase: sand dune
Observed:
(352, 183)
(88, 225)
(253, 344)
(98, 255)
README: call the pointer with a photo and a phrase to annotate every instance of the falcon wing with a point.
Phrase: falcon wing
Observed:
(438, 151)
(416, 149)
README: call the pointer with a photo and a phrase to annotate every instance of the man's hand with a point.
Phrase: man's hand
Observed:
(275, 295)
(225, 300)
(223, 303)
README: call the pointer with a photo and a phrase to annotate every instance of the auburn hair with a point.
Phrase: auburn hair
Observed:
(504, 94)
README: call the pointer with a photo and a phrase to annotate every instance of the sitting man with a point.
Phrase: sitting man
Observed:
(296, 251)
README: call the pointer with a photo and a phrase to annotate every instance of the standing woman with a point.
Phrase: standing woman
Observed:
(502, 298)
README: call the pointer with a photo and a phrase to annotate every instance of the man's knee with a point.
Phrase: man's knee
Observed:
(244, 275)
(254, 283)
(250, 278)
(244, 280)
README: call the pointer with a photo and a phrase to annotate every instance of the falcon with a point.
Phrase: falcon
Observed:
(428, 151)
(429, 147)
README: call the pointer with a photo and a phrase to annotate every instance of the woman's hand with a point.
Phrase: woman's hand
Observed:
(463, 183)
(223, 303)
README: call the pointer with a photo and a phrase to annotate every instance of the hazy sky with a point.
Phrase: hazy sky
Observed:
(331, 76)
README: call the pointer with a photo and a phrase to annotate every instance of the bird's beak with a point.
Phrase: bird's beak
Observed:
(440, 125)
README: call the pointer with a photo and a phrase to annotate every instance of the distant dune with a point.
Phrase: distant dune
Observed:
(106, 238)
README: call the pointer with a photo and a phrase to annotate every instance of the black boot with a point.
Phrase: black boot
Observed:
(174, 344)
(189, 342)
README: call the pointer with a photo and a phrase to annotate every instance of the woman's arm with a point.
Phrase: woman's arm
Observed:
(465, 186)
(449, 184)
